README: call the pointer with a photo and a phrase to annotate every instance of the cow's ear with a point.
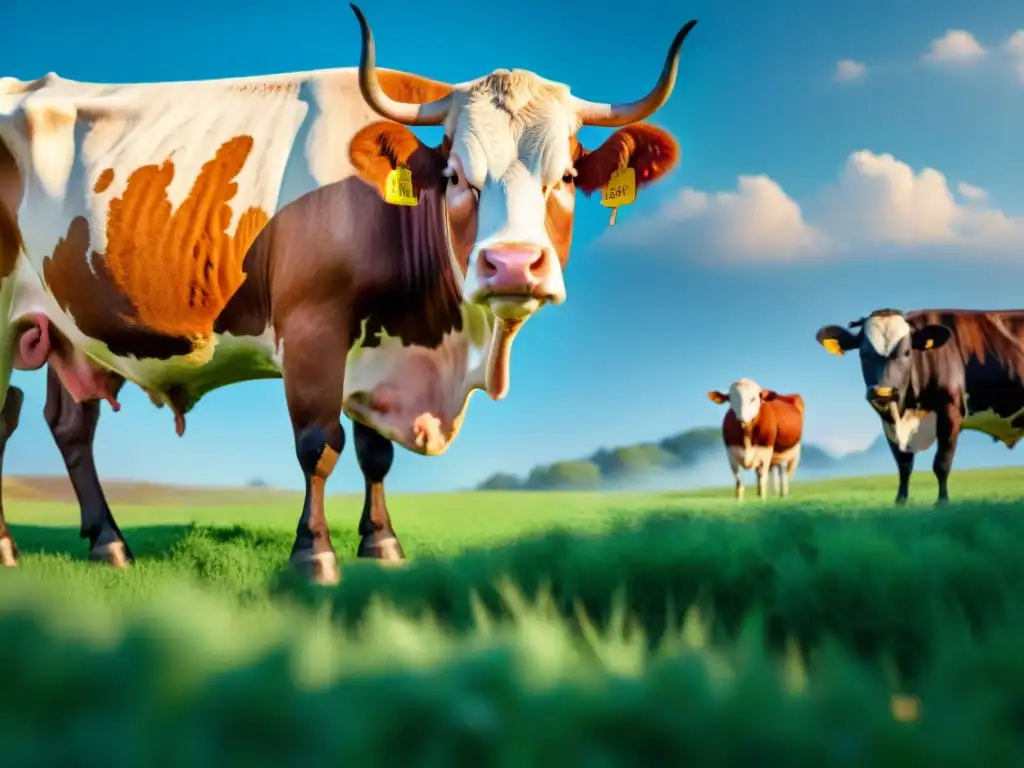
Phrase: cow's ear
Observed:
(650, 151)
(930, 337)
(381, 147)
(837, 339)
(717, 397)
(767, 395)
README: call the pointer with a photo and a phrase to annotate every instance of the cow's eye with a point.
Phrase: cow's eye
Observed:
(454, 179)
(567, 178)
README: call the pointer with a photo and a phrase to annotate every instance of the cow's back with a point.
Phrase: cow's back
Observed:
(787, 414)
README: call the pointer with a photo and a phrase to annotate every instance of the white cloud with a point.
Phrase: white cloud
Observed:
(758, 219)
(848, 70)
(876, 201)
(971, 192)
(1014, 46)
(957, 47)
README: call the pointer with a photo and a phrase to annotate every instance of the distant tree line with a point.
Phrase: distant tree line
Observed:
(607, 465)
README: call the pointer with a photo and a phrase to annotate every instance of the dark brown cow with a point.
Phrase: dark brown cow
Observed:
(932, 373)
(761, 430)
(186, 236)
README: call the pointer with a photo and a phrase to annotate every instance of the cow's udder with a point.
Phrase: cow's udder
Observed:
(39, 345)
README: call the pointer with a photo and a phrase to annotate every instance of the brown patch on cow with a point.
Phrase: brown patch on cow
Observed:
(779, 424)
(980, 335)
(558, 222)
(11, 189)
(103, 181)
(651, 151)
(412, 89)
(166, 275)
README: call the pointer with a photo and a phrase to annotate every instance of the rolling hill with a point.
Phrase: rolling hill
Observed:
(696, 459)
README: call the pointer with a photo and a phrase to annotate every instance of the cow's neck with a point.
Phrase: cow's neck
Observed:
(424, 299)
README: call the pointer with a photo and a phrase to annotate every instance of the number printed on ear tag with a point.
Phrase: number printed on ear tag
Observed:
(398, 187)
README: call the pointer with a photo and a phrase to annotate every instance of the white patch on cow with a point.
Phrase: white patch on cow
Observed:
(886, 332)
(751, 456)
(514, 162)
(994, 425)
(417, 396)
(745, 400)
(7, 558)
(914, 431)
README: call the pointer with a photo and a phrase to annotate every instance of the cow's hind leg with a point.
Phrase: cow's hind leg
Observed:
(905, 466)
(790, 468)
(375, 454)
(73, 426)
(8, 423)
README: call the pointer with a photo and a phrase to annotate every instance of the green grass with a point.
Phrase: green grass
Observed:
(240, 549)
(528, 629)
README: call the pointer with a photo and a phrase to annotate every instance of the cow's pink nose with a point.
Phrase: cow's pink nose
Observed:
(514, 268)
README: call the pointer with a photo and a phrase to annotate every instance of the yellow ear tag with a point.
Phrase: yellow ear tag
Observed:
(832, 346)
(620, 190)
(398, 187)
(929, 343)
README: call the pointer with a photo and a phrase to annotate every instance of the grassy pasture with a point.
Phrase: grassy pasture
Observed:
(527, 629)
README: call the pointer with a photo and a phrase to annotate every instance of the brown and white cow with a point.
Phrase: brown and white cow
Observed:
(931, 373)
(186, 236)
(761, 430)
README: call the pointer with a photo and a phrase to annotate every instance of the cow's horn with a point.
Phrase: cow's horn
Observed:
(616, 115)
(433, 113)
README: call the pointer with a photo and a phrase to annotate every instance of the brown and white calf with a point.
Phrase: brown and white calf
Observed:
(186, 236)
(761, 430)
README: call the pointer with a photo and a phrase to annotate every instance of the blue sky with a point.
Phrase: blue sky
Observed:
(692, 289)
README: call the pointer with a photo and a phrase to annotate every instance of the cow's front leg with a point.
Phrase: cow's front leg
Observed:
(9, 416)
(73, 426)
(315, 348)
(737, 473)
(947, 434)
(762, 479)
(905, 466)
(375, 454)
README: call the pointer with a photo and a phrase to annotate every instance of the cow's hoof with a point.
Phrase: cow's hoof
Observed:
(114, 553)
(8, 553)
(319, 567)
(941, 502)
(901, 501)
(384, 547)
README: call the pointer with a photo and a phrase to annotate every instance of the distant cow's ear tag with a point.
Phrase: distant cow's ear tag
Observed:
(398, 187)
(832, 346)
(620, 190)
(929, 343)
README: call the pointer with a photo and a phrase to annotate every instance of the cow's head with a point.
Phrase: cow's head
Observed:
(744, 398)
(886, 342)
(510, 166)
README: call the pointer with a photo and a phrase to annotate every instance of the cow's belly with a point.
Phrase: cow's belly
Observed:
(182, 379)
(998, 427)
(750, 456)
(785, 458)
(914, 432)
(416, 396)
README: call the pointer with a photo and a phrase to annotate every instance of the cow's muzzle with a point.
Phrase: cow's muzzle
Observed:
(880, 397)
(517, 280)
